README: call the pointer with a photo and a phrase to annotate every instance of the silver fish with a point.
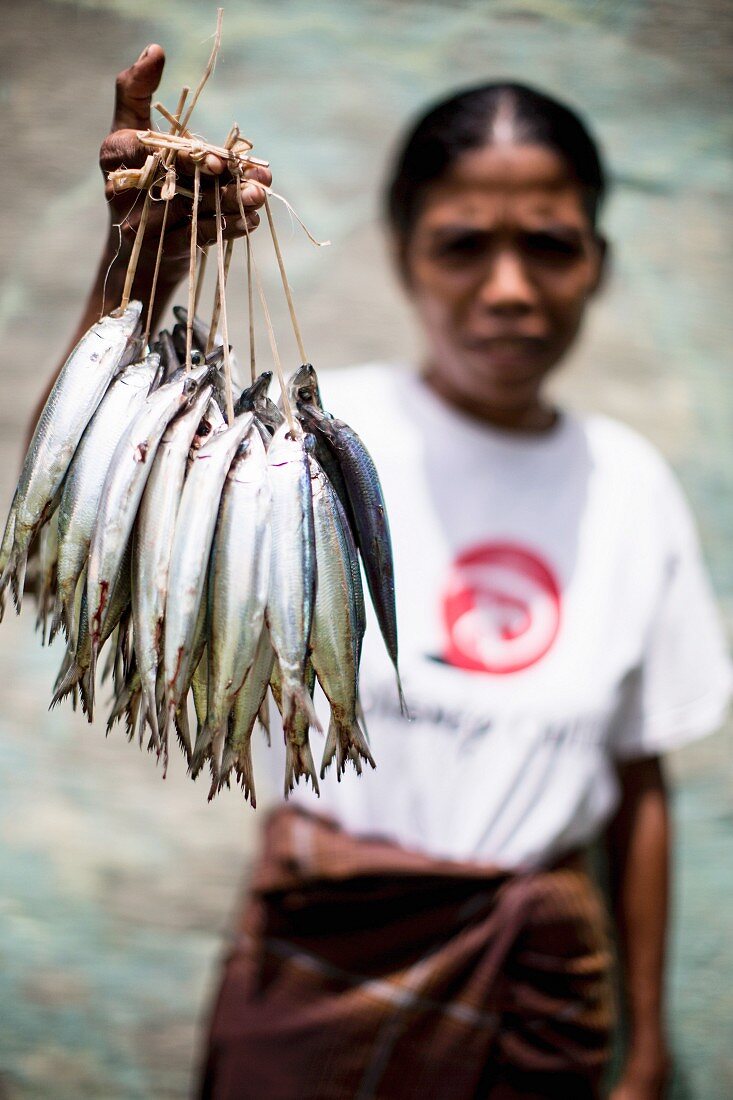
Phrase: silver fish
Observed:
(105, 347)
(247, 706)
(85, 479)
(192, 540)
(47, 558)
(153, 545)
(6, 549)
(338, 627)
(82, 667)
(197, 680)
(298, 755)
(292, 571)
(123, 489)
(239, 575)
(367, 517)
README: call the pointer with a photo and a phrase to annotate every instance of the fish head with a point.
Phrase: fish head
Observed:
(303, 387)
(254, 394)
(286, 446)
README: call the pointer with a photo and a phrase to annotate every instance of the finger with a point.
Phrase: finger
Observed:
(122, 149)
(258, 172)
(134, 90)
(211, 165)
(178, 241)
(252, 197)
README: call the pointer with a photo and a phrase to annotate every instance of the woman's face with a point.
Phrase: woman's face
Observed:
(500, 265)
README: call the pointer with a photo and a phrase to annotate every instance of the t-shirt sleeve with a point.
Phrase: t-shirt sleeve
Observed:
(682, 687)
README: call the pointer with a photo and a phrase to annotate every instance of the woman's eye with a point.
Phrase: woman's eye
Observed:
(464, 246)
(551, 247)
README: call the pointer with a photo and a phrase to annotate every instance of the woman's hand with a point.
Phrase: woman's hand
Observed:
(122, 149)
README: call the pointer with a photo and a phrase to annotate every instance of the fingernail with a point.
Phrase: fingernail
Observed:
(143, 55)
(214, 164)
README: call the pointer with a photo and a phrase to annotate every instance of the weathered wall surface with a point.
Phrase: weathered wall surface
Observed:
(116, 889)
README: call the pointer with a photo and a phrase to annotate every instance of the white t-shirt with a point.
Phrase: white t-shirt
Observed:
(554, 614)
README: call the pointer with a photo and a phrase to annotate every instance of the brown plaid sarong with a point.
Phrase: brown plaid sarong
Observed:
(363, 970)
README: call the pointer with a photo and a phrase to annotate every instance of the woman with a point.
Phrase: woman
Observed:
(430, 929)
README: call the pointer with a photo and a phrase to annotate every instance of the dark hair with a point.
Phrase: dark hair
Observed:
(469, 120)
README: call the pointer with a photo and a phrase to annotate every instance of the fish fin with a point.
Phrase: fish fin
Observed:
(299, 761)
(345, 742)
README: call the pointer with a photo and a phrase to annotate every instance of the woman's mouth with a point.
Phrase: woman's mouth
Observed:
(507, 352)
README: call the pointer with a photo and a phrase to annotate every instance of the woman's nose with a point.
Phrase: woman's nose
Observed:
(506, 288)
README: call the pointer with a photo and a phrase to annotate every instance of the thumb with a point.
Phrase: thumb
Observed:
(134, 90)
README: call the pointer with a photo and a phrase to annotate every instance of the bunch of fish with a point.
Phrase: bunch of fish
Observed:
(214, 560)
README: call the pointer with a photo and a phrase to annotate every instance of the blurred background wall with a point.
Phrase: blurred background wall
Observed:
(117, 889)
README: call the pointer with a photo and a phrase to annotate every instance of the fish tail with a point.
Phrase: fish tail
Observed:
(17, 578)
(404, 709)
(263, 715)
(58, 621)
(150, 711)
(114, 716)
(138, 729)
(297, 703)
(90, 678)
(200, 752)
(299, 761)
(183, 730)
(245, 774)
(218, 742)
(69, 676)
(227, 763)
(346, 742)
(165, 730)
(86, 693)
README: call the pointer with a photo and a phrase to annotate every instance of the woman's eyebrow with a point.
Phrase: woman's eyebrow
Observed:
(556, 229)
(445, 232)
(460, 229)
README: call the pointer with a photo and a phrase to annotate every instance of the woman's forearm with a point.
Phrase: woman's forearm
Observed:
(639, 857)
(106, 290)
(105, 294)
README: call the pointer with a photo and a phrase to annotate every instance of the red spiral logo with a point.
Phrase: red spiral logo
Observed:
(501, 609)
